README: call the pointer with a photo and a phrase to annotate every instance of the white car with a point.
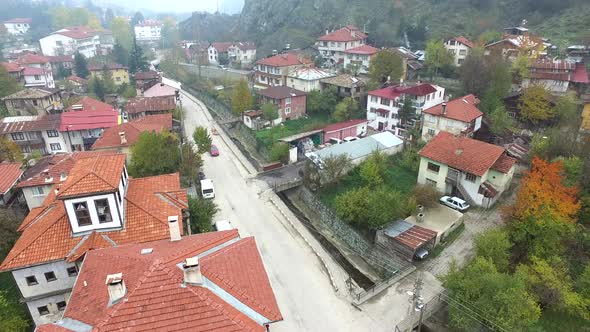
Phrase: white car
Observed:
(223, 225)
(350, 139)
(454, 203)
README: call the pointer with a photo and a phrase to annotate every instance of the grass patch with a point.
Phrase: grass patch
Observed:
(450, 238)
(267, 137)
(9, 287)
(398, 178)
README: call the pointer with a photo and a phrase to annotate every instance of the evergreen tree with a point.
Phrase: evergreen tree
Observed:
(120, 54)
(138, 17)
(81, 65)
(108, 17)
(107, 80)
(137, 61)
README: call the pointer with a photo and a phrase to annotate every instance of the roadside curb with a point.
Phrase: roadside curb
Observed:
(332, 281)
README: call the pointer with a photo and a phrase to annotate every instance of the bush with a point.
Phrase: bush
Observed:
(370, 208)
(410, 159)
(280, 152)
(426, 195)
(202, 212)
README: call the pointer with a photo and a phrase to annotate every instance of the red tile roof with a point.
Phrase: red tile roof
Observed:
(392, 92)
(462, 109)
(96, 174)
(466, 154)
(30, 71)
(580, 74)
(284, 60)
(78, 80)
(346, 34)
(281, 92)
(48, 236)
(465, 41)
(553, 65)
(111, 138)
(9, 174)
(150, 104)
(77, 32)
(12, 67)
(160, 90)
(109, 66)
(91, 104)
(221, 47)
(364, 49)
(421, 89)
(19, 20)
(504, 163)
(157, 300)
(31, 59)
(344, 125)
(60, 58)
(147, 75)
(85, 120)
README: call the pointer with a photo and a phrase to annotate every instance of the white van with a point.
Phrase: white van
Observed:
(223, 225)
(207, 190)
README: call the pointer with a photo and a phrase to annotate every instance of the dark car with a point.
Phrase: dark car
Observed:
(214, 151)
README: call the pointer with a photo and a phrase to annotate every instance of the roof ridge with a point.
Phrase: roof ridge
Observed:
(225, 238)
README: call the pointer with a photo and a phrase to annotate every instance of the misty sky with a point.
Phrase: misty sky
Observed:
(178, 6)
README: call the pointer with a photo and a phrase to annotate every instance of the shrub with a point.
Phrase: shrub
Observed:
(280, 152)
(426, 195)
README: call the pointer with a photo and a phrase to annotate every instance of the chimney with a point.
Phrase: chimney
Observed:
(48, 178)
(123, 138)
(63, 176)
(192, 271)
(116, 287)
(174, 228)
(444, 108)
(327, 31)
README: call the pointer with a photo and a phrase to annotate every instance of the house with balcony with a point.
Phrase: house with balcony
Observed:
(69, 40)
(359, 58)
(34, 101)
(119, 73)
(96, 206)
(38, 77)
(459, 47)
(346, 85)
(291, 103)
(243, 53)
(85, 121)
(383, 105)
(307, 78)
(148, 31)
(459, 117)
(204, 282)
(557, 76)
(332, 45)
(517, 41)
(36, 133)
(17, 26)
(34, 61)
(272, 71)
(478, 172)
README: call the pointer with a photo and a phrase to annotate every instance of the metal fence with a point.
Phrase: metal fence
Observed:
(363, 296)
(416, 317)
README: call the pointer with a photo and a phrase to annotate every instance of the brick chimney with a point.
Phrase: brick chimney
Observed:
(123, 138)
(192, 271)
(116, 287)
(174, 228)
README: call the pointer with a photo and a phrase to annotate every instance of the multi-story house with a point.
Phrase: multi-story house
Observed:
(205, 282)
(69, 40)
(218, 50)
(291, 103)
(479, 172)
(148, 31)
(34, 61)
(38, 77)
(64, 61)
(118, 72)
(459, 117)
(358, 59)
(383, 105)
(37, 133)
(459, 47)
(138, 107)
(346, 85)
(97, 206)
(17, 26)
(273, 70)
(333, 44)
(145, 80)
(242, 52)
(85, 121)
(518, 41)
(557, 76)
(34, 101)
(307, 79)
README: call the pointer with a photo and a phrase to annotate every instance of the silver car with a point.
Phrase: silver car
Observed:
(454, 203)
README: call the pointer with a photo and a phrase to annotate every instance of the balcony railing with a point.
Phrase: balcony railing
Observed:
(452, 178)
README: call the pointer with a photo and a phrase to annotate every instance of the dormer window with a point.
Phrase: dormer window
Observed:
(103, 211)
(82, 214)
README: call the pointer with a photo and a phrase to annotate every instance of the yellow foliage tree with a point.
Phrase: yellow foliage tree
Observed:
(534, 104)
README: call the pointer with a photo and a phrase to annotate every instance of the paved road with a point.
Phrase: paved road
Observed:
(300, 280)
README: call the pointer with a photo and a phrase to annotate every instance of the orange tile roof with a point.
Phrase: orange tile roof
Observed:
(504, 163)
(110, 137)
(155, 299)
(96, 174)
(283, 60)
(47, 234)
(466, 154)
(9, 174)
(462, 109)
(348, 33)
(465, 41)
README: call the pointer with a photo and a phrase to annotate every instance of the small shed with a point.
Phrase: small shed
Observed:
(403, 238)
(253, 120)
(350, 128)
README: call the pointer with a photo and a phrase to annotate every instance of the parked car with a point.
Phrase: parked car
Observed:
(350, 138)
(421, 254)
(207, 190)
(334, 140)
(454, 203)
(214, 151)
(223, 225)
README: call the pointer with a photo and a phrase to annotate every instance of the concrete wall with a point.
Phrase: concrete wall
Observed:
(424, 174)
(303, 85)
(438, 124)
(211, 72)
(59, 268)
(33, 200)
(51, 303)
(459, 51)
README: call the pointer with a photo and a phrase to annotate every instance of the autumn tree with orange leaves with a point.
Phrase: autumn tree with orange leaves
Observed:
(544, 196)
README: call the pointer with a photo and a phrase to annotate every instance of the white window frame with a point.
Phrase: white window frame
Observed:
(287, 110)
(38, 191)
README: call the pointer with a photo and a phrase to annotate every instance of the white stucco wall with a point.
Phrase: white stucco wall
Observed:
(59, 268)
(34, 201)
(116, 220)
(303, 85)
(51, 303)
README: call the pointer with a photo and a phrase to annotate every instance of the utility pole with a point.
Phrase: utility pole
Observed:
(417, 300)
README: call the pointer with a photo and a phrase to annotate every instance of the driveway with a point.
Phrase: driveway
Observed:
(300, 279)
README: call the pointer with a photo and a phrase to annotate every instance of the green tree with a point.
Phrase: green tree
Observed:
(137, 18)
(202, 139)
(202, 212)
(385, 65)
(566, 109)
(407, 111)
(241, 100)
(520, 68)
(120, 54)
(122, 32)
(322, 102)
(108, 17)
(534, 104)
(373, 170)
(154, 154)
(370, 208)
(190, 163)
(8, 86)
(97, 87)
(81, 65)
(269, 112)
(10, 318)
(62, 17)
(108, 81)
(495, 246)
(335, 167)
(472, 73)
(62, 72)
(280, 152)
(437, 56)
(170, 34)
(137, 61)
(346, 109)
(500, 120)
(426, 195)
(10, 151)
(500, 297)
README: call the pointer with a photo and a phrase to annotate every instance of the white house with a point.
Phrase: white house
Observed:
(459, 47)
(34, 133)
(306, 78)
(460, 166)
(242, 52)
(459, 117)
(97, 206)
(217, 49)
(333, 44)
(70, 40)
(148, 30)
(17, 26)
(383, 105)
(358, 59)
(35, 77)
